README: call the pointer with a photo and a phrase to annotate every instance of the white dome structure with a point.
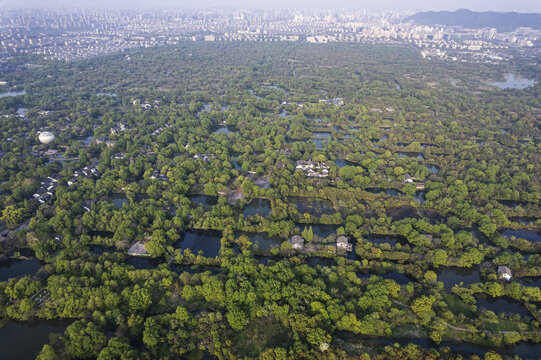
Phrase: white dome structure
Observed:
(46, 137)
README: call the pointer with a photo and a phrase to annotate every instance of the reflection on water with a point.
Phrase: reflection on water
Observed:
(389, 192)
(385, 239)
(119, 201)
(524, 350)
(398, 277)
(205, 200)
(257, 207)
(451, 276)
(501, 305)
(207, 241)
(14, 93)
(224, 129)
(523, 234)
(12, 268)
(420, 195)
(320, 230)
(511, 82)
(20, 341)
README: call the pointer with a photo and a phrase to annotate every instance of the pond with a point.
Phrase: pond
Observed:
(451, 276)
(25, 340)
(87, 140)
(320, 230)
(343, 162)
(420, 195)
(205, 200)
(433, 168)
(531, 281)
(398, 277)
(512, 82)
(310, 206)
(524, 350)
(234, 160)
(321, 127)
(207, 241)
(143, 262)
(399, 213)
(500, 305)
(228, 130)
(529, 235)
(110, 94)
(284, 114)
(263, 241)
(101, 249)
(383, 138)
(322, 135)
(273, 87)
(257, 207)
(525, 220)
(318, 261)
(415, 154)
(389, 192)
(119, 201)
(12, 268)
(513, 203)
(103, 234)
(385, 239)
(13, 93)
(318, 143)
(479, 142)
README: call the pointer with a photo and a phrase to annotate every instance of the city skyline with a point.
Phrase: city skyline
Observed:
(417, 5)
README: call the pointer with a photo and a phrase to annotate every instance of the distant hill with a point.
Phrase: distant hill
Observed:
(504, 22)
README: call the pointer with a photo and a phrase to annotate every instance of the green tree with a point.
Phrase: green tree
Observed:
(12, 215)
(84, 340)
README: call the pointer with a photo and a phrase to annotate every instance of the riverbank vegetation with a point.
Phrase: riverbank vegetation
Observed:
(200, 195)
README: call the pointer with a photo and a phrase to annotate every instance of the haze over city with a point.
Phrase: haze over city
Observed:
(479, 5)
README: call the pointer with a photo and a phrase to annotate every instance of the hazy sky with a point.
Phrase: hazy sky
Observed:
(493, 5)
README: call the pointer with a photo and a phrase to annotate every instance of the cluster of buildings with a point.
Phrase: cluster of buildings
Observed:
(336, 101)
(120, 127)
(159, 130)
(204, 157)
(297, 243)
(107, 142)
(313, 168)
(46, 190)
(156, 175)
(76, 34)
(87, 172)
(408, 179)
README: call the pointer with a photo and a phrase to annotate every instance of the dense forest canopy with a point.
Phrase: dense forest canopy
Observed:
(272, 201)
